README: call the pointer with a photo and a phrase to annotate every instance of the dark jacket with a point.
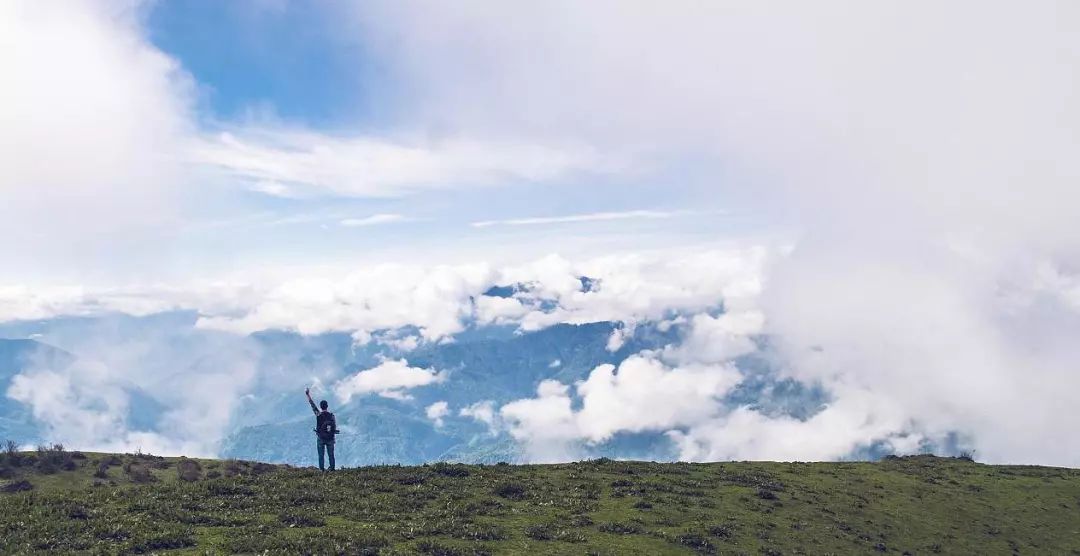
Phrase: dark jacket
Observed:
(325, 423)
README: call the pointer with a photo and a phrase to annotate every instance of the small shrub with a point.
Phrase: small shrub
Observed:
(102, 471)
(620, 528)
(255, 540)
(553, 532)
(410, 479)
(78, 512)
(696, 541)
(543, 532)
(112, 460)
(450, 470)
(434, 548)
(510, 491)
(766, 494)
(967, 455)
(581, 520)
(643, 505)
(722, 531)
(45, 466)
(261, 468)
(188, 470)
(11, 453)
(19, 486)
(169, 539)
(301, 520)
(7, 471)
(226, 489)
(233, 468)
(139, 473)
(213, 474)
(53, 458)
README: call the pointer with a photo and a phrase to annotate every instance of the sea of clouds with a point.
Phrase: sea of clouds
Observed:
(922, 157)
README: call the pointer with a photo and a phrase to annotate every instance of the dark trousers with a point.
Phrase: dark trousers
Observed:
(326, 447)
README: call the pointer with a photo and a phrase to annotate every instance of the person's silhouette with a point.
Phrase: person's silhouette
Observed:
(325, 429)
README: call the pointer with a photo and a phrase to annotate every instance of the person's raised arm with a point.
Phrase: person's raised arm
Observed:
(311, 402)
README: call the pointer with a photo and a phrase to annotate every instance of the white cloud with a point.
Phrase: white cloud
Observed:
(406, 343)
(856, 419)
(931, 180)
(437, 411)
(641, 286)
(372, 220)
(647, 395)
(499, 310)
(382, 167)
(544, 425)
(273, 188)
(95, 123)
(440, 299)
(389, 379)
(590, 217)
(718, 339)
(483, 412)
(29, 302)
(641, 395)
(87, 403)
(387, 296)
(618, 338)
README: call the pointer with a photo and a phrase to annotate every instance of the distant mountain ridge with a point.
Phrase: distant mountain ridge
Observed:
(270, 421)
(492, 368)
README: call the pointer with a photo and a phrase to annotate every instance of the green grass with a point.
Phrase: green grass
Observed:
(916, 505)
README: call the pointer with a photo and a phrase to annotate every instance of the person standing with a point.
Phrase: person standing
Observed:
(325, 429)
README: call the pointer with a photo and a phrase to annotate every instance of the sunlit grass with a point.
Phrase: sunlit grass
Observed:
(918, 505)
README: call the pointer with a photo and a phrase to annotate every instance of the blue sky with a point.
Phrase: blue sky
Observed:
(287, 61)
(271, 122)
(287, 65)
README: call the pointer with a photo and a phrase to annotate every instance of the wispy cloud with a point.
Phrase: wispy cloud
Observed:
(289, 163)
(272, 188)
(570, 218)
(373, 220)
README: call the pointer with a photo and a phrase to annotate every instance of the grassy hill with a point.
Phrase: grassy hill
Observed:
(58, 501)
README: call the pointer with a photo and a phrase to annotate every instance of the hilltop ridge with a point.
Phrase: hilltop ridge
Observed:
(59, 501)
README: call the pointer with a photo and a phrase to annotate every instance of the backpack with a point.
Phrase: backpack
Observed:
(325, 426)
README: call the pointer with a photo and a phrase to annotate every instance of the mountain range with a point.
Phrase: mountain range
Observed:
(270, 420)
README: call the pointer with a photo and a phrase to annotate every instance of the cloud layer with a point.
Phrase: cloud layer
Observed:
(922, 152)
(390, 379)
(96, 122)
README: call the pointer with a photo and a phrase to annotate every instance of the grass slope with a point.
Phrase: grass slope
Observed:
(916, 505)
